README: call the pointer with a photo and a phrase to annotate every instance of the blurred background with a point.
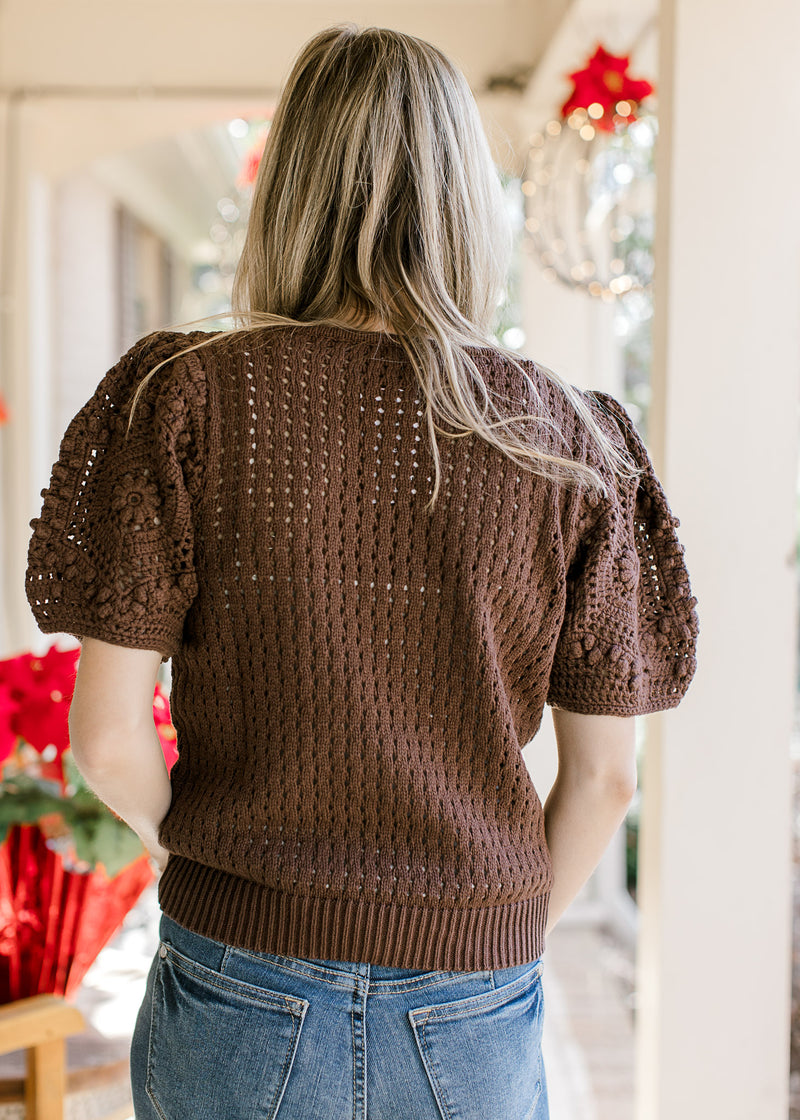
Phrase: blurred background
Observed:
(647, 158)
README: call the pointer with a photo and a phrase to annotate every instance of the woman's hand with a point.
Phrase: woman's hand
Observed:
(158, 856)
(157, 852)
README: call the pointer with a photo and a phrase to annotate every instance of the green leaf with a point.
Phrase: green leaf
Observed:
(108, 841)
(97, 834)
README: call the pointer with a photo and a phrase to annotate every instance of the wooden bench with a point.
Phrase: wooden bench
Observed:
(40, 1025)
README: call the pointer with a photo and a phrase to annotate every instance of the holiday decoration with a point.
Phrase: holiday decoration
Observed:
(605, 84)
(589, 185)
(70, 869)
(252, 159)
(55, 920)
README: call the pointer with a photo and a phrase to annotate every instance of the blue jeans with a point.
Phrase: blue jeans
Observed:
(228, 1034)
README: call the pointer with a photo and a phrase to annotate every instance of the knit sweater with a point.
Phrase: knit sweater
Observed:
(354, 677)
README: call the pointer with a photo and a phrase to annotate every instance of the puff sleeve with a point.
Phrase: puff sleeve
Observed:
(112, 551)
(627, 643)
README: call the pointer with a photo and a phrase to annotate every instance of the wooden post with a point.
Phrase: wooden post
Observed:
(40, 1024)
(46, 1081)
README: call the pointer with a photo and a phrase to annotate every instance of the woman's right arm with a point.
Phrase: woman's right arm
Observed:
(593, 789)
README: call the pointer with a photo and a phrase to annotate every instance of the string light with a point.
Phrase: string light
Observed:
(584, 221)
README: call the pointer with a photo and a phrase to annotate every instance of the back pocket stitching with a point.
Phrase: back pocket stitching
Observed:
(457, 1009)
(148, 1081)
(279, 1002)
(296, 1005)
(418, 1027)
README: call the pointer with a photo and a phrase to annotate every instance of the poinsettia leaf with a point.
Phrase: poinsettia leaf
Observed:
(107, 841)
(27, 808)
(72, 774)
(96, 834)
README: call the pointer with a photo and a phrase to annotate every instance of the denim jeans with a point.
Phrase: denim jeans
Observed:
(228, 1034)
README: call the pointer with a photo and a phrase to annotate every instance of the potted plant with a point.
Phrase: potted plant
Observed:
(70, 868)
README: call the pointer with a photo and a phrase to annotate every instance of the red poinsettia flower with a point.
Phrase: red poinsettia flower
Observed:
(35, 697)
(166, 732)
(605, 81)
(8, 709)
(40, 689)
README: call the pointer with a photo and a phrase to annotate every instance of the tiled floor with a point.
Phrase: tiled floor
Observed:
(588, 1036)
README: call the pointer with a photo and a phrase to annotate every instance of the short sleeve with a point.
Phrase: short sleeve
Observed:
(112, 551)
(627, 643)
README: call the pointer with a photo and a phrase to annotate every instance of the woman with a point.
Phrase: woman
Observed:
(374, 544)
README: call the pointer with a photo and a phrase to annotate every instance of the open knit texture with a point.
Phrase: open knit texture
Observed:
(353, 678)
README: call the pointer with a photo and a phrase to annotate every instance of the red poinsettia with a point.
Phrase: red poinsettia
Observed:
(8, 708)
(166, 732)
(35, 695)
(605, 81)
(70, 868)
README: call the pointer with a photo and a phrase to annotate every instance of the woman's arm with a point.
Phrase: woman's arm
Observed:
(113, 737)
(594, 787)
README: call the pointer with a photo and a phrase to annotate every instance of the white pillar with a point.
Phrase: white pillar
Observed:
(715, 857)
(25, 364)
(85, 311)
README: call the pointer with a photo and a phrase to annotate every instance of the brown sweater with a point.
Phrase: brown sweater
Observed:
(354, 679)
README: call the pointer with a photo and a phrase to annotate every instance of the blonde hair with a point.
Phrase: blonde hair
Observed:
(377, 199)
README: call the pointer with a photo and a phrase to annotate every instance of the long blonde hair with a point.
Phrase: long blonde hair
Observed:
(377, 199)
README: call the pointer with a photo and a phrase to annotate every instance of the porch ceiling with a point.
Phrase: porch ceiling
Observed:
(247, 43)
(77, 59)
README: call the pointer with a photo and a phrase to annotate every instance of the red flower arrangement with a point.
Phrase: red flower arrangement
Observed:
(70, 868)
(605, 82)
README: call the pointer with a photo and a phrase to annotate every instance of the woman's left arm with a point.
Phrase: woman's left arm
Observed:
(114, 740)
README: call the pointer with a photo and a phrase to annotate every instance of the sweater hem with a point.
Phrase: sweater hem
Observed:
(594, 707)
(71, 628)
(258, 918)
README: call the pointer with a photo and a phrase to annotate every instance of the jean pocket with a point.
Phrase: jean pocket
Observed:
(219, 1048)
(482, 1055)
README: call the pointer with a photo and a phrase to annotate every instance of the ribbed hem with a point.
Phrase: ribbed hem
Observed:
(251, 916)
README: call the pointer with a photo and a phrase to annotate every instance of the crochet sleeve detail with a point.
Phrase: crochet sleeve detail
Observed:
(111, 555)
(628, 638)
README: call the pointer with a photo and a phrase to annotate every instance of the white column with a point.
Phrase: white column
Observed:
(25, 367)
(715, 870)
(43, 435)
(85, 278)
